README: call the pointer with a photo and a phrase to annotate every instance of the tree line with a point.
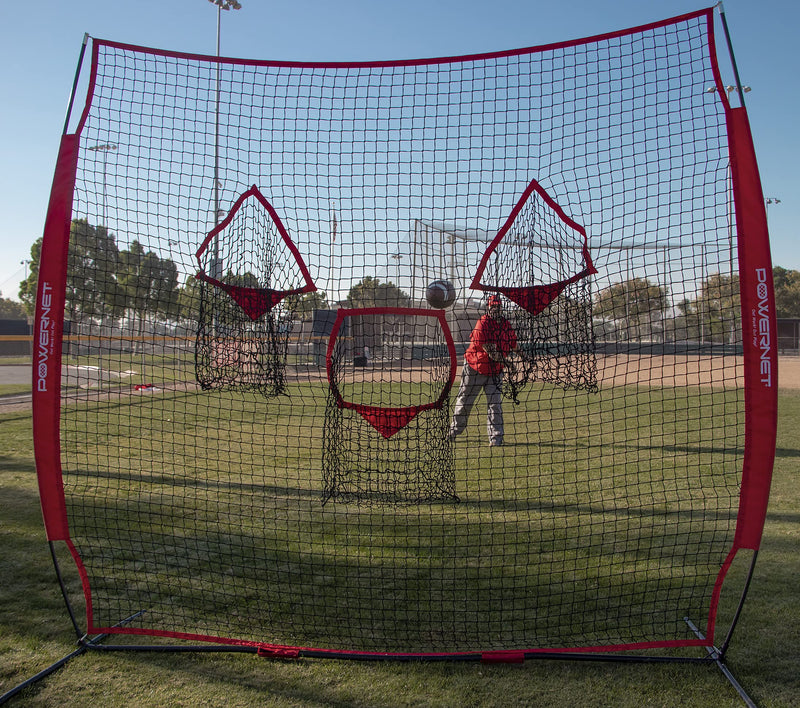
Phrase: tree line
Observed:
(106, 281)
(637, 309)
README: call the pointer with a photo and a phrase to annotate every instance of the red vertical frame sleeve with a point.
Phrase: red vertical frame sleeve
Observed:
(759, 329)
(48, 336)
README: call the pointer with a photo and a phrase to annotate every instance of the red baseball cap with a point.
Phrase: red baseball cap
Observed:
(494, 300)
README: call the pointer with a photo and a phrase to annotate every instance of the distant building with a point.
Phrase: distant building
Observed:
(15, 338)
(789, 335)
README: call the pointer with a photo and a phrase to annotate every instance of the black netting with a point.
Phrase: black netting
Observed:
(541, 262)
(203, 506)
(556, 346)
(388, 414)
(248, 266)
(235, 352)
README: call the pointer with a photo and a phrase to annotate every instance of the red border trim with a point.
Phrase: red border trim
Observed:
(87, 588)
(405, 414)
(254, 192)
(712, 58)
(492, 656)
(48, 335)
(533, 186)
(759, 328)
(276, 219)
(708, 12)
(715, 595)
(254, 301)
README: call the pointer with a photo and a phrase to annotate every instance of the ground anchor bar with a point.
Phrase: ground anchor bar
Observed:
(715, 655)
(85, 645)
(42, 674)
(350, 656)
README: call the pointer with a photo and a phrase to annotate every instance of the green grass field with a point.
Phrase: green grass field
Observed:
(36, 630)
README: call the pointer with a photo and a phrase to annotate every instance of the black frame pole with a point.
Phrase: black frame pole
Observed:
(716, 655)
(75, 83)
(751, 570)
(64, 593)
(726, 643)
(739, 87)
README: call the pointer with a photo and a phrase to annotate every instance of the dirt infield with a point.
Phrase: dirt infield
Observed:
(660, 371)
(666, 371)
(656, 371)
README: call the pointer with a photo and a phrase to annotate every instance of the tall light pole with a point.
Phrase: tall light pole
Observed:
(396, 257)
(767, 202)
(105, 148)
(221, 5)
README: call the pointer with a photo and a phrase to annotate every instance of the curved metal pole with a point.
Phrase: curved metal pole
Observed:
(75, 83)
(215, 264)
(739, 86)
(78, 630)
(738, 612)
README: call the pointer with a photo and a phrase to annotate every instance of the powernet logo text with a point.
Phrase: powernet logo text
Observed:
(762, 334)
(44, 336)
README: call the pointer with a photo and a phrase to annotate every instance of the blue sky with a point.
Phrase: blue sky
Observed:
(41, 41)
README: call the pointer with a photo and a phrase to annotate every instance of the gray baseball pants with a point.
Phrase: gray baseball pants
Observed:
(472, 383)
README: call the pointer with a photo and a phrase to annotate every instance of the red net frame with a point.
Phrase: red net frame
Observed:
(388, 420)
(758, 345)
(534, 298)
(255, 301)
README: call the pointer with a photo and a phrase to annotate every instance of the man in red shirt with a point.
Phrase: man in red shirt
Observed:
(492, 340)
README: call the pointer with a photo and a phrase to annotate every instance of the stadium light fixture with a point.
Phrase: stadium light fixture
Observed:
(226, 4)
(767, 202)
(713, 89)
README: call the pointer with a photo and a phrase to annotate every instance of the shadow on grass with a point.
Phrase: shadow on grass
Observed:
(382, 582)
(786, 452)
(688, 449)
(15, 464)
(464, 505)
(25, 562)
(243, 550)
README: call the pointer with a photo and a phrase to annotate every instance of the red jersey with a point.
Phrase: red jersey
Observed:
(490, 331)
